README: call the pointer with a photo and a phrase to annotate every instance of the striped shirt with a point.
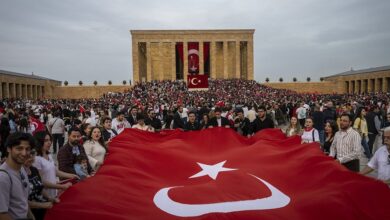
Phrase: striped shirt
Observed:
(346, 145)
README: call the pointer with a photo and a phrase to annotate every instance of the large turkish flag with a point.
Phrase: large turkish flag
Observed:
(217, 174)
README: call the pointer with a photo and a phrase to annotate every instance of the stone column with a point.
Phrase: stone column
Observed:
(363, 86)
(377, 85)
(351, 87)
(39, 95)
(43, 91)
(20, 91)
(12, 90)
(385, 86)
(185, 60)
(356, 89)
(24, 91)
(29, 92)
(238, 60)
(6, 90)
(250, 60)
(213, 60)
(173, 60)
(160, 66)
(225, 60)
(148, 63)
(135, 52)
(369, 85)
(201, 58)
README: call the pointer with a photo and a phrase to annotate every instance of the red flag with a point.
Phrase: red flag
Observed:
(39, 126)
(217, 174)
(197, 82)
(81, 108)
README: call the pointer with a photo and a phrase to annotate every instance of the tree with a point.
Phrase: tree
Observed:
(66, 83)
(80, 83)
(267, 79)
(308, 79)
(95, 82)
(321, 79)
(280, 79)
(109, 82)
(124, 82)
(294, 79)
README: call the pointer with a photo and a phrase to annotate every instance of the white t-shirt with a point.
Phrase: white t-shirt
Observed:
(301, 112)
(47, 169)
(119, 126)
(307, 136)
(380, 162)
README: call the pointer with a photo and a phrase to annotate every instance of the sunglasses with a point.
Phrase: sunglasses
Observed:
(25, 184)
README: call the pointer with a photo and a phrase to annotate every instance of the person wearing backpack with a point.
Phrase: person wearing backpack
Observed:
(14, 185)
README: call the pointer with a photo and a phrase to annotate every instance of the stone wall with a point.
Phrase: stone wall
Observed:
(324, 87)
(80, 92)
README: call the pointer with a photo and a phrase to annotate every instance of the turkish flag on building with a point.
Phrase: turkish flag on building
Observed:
(197, 82)
(217, 174)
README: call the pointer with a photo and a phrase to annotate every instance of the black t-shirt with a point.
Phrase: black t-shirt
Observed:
(36, 186)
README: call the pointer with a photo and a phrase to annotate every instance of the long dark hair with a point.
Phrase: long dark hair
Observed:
(359, 113)
(101, 140)
(40, 141)
(333, 125)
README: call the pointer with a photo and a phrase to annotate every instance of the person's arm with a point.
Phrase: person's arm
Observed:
(64, 175)
(356, 124)
(333, 150)
(5, 216)
(366, 170)
(316, 136)
(377, 124)
(40, 205)
(50, 185)
(88, 147)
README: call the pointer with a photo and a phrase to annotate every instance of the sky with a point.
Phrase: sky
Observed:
(90, 40)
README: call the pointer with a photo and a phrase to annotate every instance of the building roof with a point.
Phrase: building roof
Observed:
(353, 72)
(189, 31)
(26, 75)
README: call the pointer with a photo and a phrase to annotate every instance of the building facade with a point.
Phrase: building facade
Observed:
(18, 85)
(362, 81)
(173, 54)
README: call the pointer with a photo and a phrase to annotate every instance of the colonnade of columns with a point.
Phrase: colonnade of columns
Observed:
(18, 90)
(380, 84)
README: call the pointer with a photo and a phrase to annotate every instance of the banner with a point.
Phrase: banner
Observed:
(218, 174)
(197, 82)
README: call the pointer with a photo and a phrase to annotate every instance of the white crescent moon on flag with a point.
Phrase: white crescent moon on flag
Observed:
(193, 83)
(193, 51)
(276, 200)
(35, 124)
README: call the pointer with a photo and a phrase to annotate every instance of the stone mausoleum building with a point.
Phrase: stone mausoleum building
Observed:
(362, 81)
(18, 85)
(173, 54)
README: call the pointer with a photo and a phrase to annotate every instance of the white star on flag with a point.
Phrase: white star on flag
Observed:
(211, 170)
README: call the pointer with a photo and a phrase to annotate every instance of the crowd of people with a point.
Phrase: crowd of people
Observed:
(46, 145)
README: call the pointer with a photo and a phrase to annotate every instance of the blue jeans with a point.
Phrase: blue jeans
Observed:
(366, 148)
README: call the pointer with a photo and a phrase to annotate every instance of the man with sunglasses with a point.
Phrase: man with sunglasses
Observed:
(381, 160)
(14, 188)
